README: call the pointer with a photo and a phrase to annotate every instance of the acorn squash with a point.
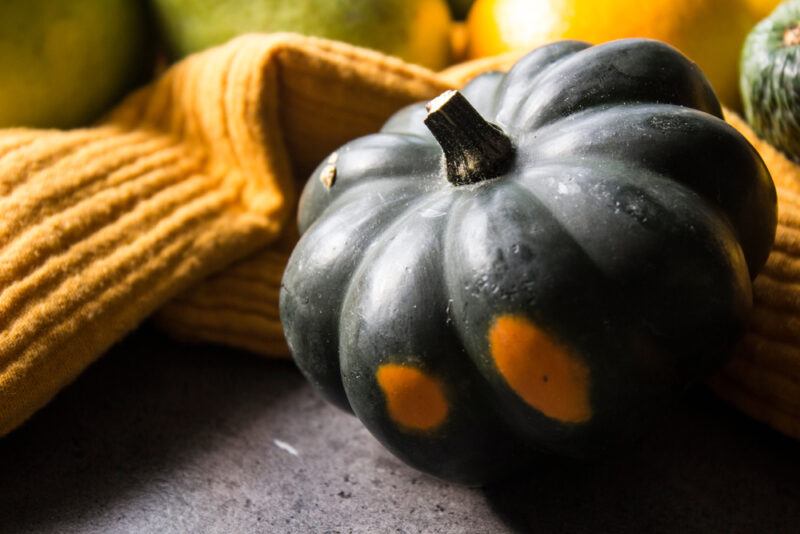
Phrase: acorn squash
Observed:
(532, 265)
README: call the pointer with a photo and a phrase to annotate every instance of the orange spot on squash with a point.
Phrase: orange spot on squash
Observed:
(547, 375)
(414, 399)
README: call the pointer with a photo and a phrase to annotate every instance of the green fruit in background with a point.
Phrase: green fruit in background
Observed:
(63, 63)
(460, 8)
(415, 30)
(770, 78)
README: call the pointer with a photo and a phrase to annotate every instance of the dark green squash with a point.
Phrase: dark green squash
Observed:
(770, 78)
(563, 270)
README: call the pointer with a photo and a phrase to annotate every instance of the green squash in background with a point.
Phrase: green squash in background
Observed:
(770, 78)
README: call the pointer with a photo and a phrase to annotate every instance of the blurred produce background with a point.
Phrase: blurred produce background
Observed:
(415, 30)
(710, 32)
(62, 64)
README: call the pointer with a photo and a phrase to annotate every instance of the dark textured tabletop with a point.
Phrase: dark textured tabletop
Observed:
(163, 437)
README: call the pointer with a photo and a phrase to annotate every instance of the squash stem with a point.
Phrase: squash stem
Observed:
(474, 149)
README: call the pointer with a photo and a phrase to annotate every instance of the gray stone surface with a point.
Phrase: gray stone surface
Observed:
(164, 437)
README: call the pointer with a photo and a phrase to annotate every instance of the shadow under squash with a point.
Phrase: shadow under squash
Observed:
(703, 468)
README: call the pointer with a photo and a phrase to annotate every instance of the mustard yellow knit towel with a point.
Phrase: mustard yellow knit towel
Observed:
(103, 225)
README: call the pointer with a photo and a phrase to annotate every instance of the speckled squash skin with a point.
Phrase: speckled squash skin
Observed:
(770, 78)
(553, 308)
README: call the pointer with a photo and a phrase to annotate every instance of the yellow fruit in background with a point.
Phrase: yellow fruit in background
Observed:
(415, 30)
(762, 8)
(64, 62)
(710, 32)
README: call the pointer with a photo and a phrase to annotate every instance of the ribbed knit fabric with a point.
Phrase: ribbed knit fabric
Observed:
(237, 307)
(101, 226)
